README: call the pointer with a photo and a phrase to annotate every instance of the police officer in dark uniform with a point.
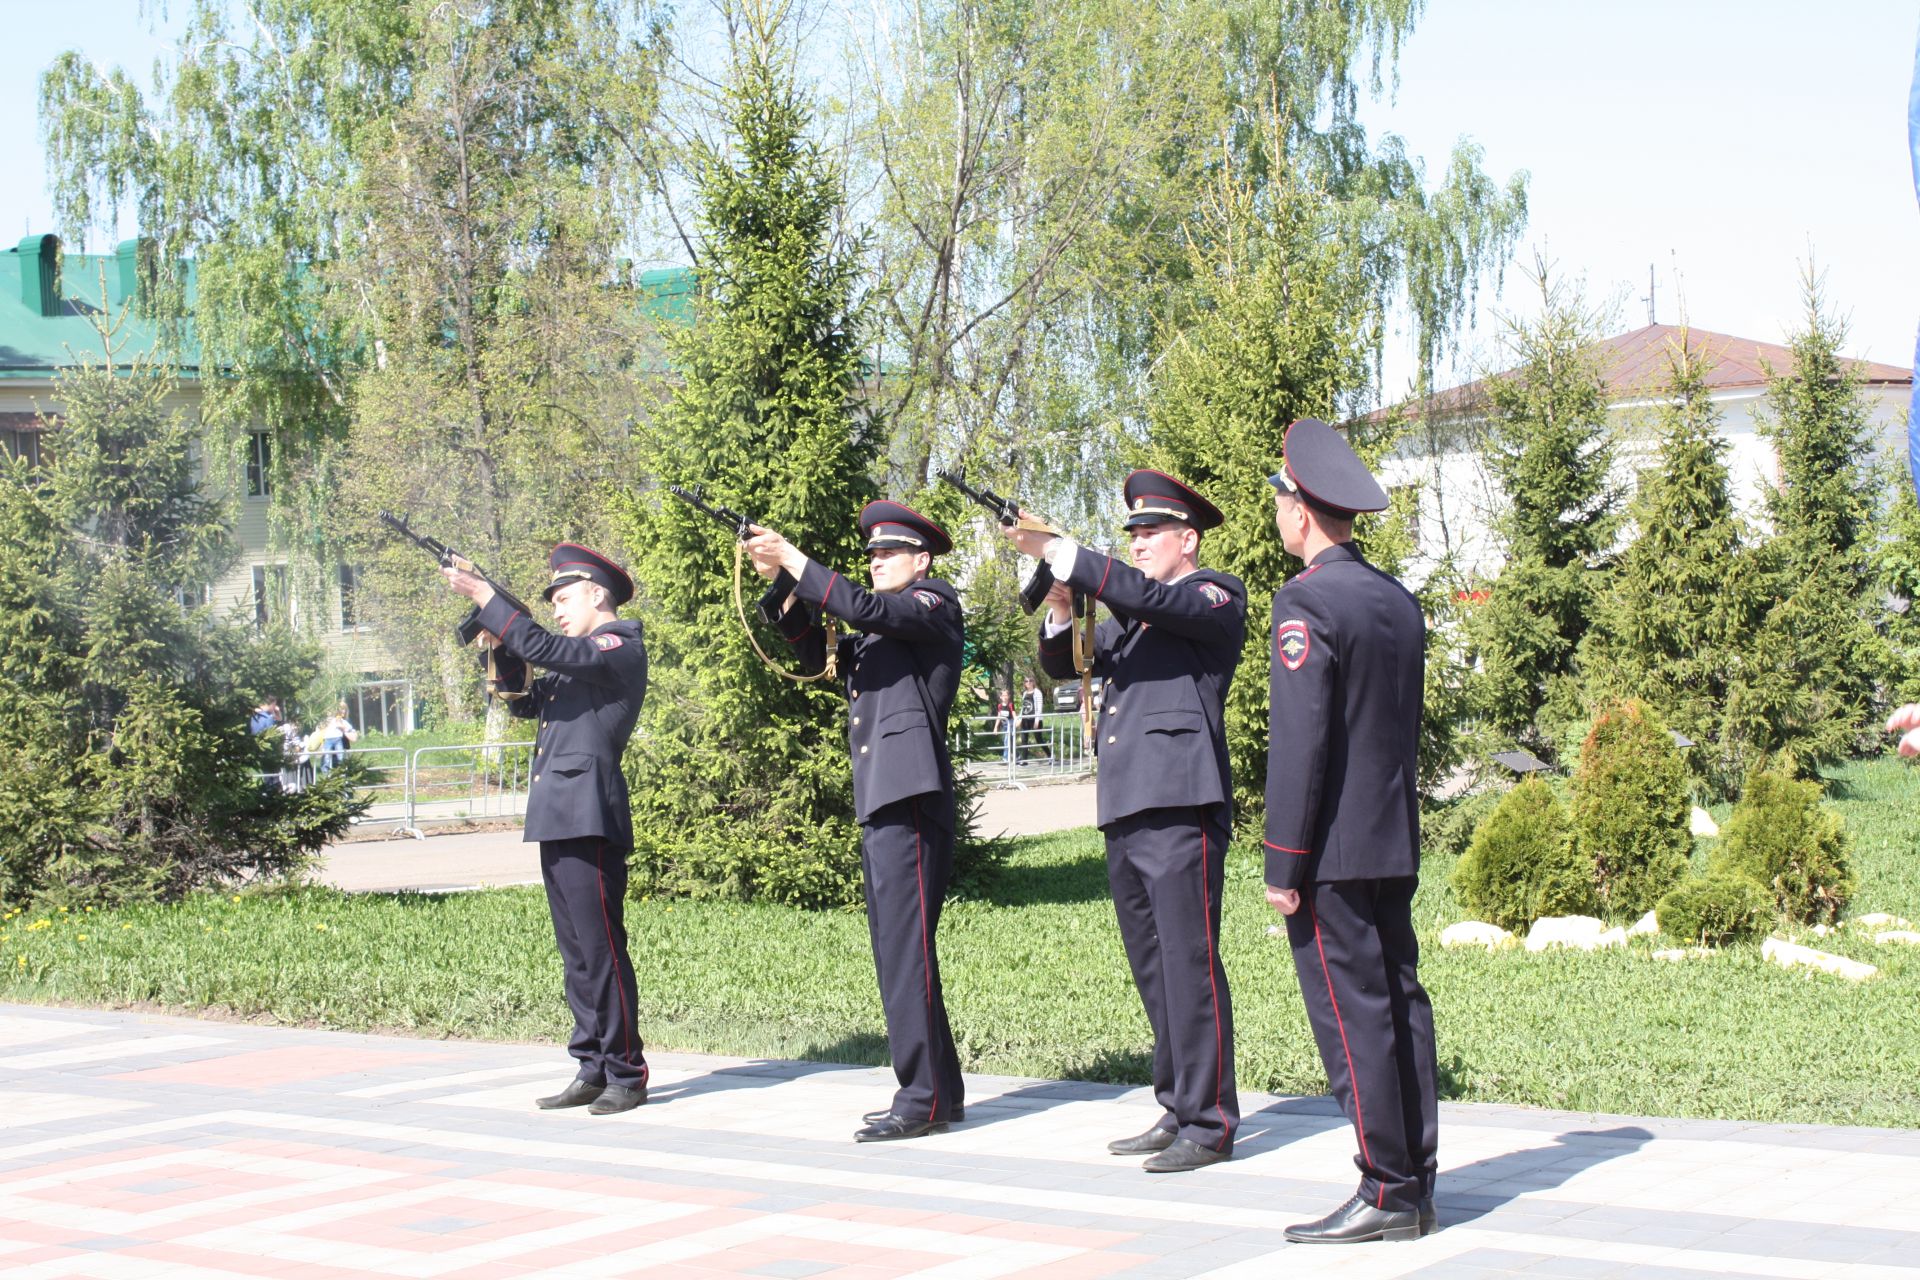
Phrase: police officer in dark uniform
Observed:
(901, 674)
(577, 803)
(1343, 832)
(1165, 793)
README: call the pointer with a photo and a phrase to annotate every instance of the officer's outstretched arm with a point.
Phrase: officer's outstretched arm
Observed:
(603, 659)
(924, 611)
(798, 622)
(1300, 727)
(1056, 651)
(1198, 609)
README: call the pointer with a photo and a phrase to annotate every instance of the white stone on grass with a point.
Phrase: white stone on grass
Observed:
(1682, 953)
(1789, 955)
(1881, 920)
(1475, 933)
(1702, 823)
(1906, 937)
(1614, 937)
(1578, 933)
(1646, 924)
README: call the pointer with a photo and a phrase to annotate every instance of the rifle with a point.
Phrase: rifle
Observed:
(696, 498)
(1011, 516)
(468, 630)
(743, 527)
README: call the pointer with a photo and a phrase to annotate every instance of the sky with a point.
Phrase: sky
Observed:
(1723, 145)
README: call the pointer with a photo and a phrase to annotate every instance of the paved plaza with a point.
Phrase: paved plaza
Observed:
(134, 1145)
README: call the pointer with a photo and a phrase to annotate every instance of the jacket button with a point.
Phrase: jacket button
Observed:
(863, 751)
(536, 777)
(856, 722)
(1111, 710)
(1111, 741)
(856, 693)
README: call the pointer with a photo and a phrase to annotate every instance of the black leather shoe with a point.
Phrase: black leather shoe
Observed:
(875, 1117)
(618, 1098)
(1183, 1154)
(577, 1094)
(1357, 1222)
(1429, 1217)
(892, 1128)
(1141, 1144)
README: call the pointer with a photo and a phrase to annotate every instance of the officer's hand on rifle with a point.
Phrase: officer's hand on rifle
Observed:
(1907, 720)
(473, 587)
(772, 553)
(1060, 602)
(1027, 541)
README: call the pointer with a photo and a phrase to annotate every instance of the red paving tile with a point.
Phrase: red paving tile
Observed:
(1088, 1266)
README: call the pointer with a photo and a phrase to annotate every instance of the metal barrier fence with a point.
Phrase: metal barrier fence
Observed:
(480, 781)
(1016, 750)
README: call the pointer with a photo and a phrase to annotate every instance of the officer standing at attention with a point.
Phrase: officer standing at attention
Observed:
(1165, 794)
(577, 803)
(1343, 832)
(901, 675)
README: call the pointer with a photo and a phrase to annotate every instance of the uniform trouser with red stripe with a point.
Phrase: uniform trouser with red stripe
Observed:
(1166, 868)
(906, 857)
(1356, 953)
(586, 883)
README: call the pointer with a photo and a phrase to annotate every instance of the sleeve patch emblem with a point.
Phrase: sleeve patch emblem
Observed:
(1215, 593)
(606, 641)
(928, 598)
(1293, 642)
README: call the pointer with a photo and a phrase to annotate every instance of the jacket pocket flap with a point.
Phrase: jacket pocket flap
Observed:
(903, 719)
(1177, 720)
(569, 765)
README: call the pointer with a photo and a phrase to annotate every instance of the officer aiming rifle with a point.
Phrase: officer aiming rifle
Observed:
(743, 528)
(1034, 593)
(468, 630)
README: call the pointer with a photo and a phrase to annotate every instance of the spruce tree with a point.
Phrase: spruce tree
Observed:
(1814, 660)
(740, 778)
(130, 769)
(1552, 452)
(1669, 627)
(1896, 576)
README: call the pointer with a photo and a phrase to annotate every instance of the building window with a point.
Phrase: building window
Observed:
(259, 465)
(21, 442)
(383, 706)
(352, 605)
(272, 597)
(193, 597)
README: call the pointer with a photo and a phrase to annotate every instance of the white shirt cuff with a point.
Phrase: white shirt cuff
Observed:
(1050, 628)
(1060, 554)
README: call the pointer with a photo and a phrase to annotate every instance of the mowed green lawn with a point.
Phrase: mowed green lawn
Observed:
(1037, 984)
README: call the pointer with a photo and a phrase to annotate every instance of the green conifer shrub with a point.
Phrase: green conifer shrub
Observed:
(129, 770)
(1784, 840)
(1715, 909)
(1523, 863)
(1631, 808)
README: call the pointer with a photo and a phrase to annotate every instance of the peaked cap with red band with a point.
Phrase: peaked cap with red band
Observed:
(1320, 464)
(1155, 496)
(890, 524)
(572, 563)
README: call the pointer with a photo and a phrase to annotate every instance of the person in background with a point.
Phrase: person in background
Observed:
(336, 735)
(265, 716)
(1906, 722)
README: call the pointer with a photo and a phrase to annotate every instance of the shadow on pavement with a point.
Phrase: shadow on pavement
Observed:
(1508, 1176)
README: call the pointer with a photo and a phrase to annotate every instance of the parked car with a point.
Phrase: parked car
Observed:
(1066, 694)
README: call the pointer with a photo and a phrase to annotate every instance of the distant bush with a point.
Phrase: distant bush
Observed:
(1784, 840)
(1714, 909)
(1523, 864)
(1447, 826)
(1631, 808)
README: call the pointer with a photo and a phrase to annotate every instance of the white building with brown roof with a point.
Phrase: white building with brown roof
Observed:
(1460, 501)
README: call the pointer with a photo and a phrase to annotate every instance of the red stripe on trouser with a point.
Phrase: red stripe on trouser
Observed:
(926, 952)
(1353, 1081)
(1213, 987)
(613, 959)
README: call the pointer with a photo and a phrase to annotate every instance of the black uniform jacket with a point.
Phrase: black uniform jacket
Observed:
(1349, 673)
(586, 705)
(1167, 655)
(901, 674)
